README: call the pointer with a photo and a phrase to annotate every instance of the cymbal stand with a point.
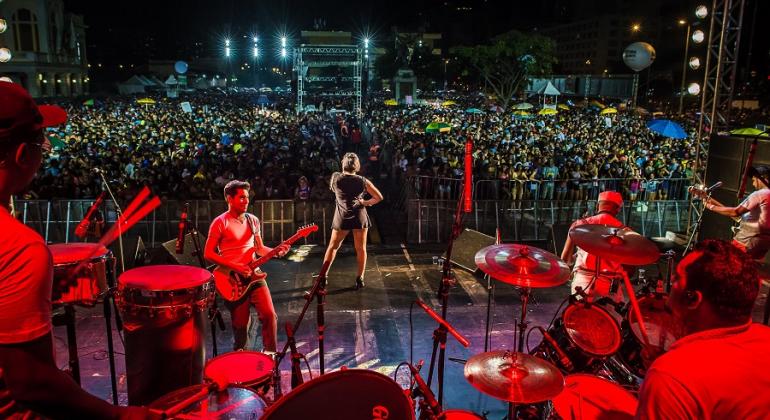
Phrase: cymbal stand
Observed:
(669, 256)
(319, 287)
(490, 299)
(439, 335)
(524, 294)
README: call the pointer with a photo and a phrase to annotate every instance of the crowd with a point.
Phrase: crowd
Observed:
(192, 155)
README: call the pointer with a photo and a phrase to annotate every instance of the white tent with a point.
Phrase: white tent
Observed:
(135, 84)
(549, 90)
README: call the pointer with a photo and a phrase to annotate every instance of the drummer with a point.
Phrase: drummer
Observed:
(720, 369)
(27, 363)
(609, 280)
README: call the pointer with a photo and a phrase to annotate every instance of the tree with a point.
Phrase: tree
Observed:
(507, 61)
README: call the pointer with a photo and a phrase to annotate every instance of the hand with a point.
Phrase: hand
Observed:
(244, 270)
(283, 250)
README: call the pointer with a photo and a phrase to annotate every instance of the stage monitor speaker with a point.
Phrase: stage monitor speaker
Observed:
(167, 253)
(559, 233)
(467, 245)
(727, 160)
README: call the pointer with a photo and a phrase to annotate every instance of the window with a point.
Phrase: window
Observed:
(53, 34)
(24, 24)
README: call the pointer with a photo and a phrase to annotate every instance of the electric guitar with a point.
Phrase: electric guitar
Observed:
(701, 193)
(232, 285)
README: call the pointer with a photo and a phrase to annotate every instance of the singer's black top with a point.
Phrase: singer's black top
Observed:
(348, 214)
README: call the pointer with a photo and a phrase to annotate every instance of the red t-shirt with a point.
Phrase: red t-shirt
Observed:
(26, 276)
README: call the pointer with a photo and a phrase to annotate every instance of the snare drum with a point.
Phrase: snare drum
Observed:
(586, 332)
(248, 369)
(232, 403)
(164, 316)
(661, 328)
(345, 394)
(590, 397)
(84, 286)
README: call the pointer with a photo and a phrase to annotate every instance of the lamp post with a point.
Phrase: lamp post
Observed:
(684, 64)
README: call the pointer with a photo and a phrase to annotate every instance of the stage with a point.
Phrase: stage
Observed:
(369, 328)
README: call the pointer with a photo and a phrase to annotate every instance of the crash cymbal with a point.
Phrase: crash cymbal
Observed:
(522, 265)
(618, 244)
(514, 377)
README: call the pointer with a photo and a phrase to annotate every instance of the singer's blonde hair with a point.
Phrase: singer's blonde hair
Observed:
(350, 163)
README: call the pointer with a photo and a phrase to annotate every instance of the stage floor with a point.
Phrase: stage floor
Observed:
(369, 328)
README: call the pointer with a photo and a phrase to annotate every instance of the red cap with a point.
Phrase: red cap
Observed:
(21, 116)
(612, 197)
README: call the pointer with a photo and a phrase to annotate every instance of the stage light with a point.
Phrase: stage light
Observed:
(698, 36)
(5, 55)
(255, 39)
(366, 42)
(227, 42)
(227, 52)
(283, 53)
(694, 63)
(635, 27)
(701, 12)
(693, 89)
(283, 42)
(3, 25)
(256, 52)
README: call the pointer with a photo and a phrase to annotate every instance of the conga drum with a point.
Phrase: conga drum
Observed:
(164, 310)
(80, 273)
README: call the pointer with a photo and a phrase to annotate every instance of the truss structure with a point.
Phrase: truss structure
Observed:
(329, 70)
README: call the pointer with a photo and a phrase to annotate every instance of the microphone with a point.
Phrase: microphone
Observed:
(716, 186)
(440, 320)
(427, 394)
(468, 187)
(563, 358)
(82, 227)
(182, 228)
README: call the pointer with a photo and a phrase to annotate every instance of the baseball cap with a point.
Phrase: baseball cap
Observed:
(21, 116)
(612, 197)
(762, 172)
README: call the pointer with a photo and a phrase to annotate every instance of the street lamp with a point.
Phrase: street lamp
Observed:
(227, 48)
(635, 27)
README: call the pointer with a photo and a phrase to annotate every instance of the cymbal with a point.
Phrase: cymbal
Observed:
(522, 265)
(514, 377)
(618, 244)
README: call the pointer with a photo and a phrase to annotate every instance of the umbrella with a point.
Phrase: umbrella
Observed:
(496, 108)
(56, 142)
(89, 102)
(563, 106)
(474, 111)
(146, 101)
(548, 111)
(521, 113)
(641, 111)
(750, 131)
(597, 104)
(438, 127)
(523, 105)
(667, 128)
(607, 111)
(448, 103)
(391, 102)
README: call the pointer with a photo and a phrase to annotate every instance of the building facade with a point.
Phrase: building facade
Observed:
(47, 47)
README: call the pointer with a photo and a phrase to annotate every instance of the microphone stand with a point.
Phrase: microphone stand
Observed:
(318, 289)
(439, 335)
(106, 186)
(696, 228)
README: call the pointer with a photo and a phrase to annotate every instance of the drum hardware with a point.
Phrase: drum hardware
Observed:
(296, 357)
(429, 407)
(230, 403)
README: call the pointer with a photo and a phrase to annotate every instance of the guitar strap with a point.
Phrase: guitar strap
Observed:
(253, 230)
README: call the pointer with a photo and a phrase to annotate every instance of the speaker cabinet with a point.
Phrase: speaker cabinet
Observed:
(166, 254)
(466, 246)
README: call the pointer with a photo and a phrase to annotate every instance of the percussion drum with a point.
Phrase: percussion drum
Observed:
(344, 394)
(661, 328)
(84, 286)
(590, 397)
(248, 369)
(232, 403)
(458, 415)
(164, 316)
(586, 333)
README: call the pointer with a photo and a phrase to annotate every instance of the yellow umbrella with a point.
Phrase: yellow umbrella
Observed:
(547, 111)
(563, 106)
(391, 102)
(521, 113)
(146, 101)
(448, 103)
(750, 131)
(607, 111)
(598, 104)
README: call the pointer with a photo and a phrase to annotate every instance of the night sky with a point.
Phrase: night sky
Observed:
(132, 32)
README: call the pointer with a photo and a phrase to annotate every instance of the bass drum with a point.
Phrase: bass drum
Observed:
(345, 394)
(232, 403)
(248, 369)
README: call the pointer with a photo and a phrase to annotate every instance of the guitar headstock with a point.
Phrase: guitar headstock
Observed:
(698, 191)
(306, 230)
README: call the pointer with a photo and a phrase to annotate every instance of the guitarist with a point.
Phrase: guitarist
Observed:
(234, 237)
(753, 235)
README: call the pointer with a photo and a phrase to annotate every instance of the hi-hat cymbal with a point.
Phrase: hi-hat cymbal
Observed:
(514, 377)
(618, 244)
(522, 265)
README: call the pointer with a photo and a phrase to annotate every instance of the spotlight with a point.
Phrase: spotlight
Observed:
(366, 42)
(227, 42)
(227, 51)
(701, 11)
(3, 25)
(255, 39)
(5, 55)
(694, 63)
(693, 89)
(698, 36)
(283, 52)
(256, 52)
(283, 42)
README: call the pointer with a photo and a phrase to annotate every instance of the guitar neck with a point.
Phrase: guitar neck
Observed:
(265, 258)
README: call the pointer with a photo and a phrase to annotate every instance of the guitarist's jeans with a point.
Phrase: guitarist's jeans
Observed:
(240, 312)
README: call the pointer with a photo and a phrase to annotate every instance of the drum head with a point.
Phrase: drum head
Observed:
(232, 403)
(76, 252)
(591, 397)
(239, 368)
(661, 328)
(592, 329)
(458, 415)
(164, 277)
(345, 394)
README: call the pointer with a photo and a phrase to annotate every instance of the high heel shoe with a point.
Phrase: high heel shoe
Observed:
(360, 283)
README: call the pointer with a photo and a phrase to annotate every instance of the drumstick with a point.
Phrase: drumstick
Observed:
(204, 392)
(635, 307)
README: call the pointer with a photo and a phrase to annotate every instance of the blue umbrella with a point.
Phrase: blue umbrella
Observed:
(667, 128)
(474, 111)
